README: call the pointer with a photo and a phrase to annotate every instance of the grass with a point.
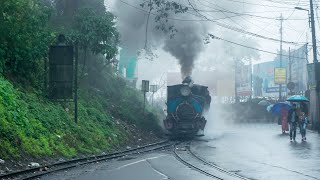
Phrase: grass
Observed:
(32, 125)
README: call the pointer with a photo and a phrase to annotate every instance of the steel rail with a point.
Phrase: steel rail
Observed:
(82, 161)
(215, 166)
(178, 157)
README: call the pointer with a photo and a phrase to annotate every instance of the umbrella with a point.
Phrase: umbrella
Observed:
(264, 103)
(298, 98)
(276, 108)
(269, 107)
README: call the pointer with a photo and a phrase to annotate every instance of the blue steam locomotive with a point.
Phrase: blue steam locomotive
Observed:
(186, 104)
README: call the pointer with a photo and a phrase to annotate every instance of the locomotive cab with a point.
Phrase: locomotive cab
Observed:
(185, 107)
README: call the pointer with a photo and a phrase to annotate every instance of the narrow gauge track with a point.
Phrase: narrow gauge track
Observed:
(38, 172)
(205, 172)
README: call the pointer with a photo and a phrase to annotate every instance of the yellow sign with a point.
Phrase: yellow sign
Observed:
(280, 75)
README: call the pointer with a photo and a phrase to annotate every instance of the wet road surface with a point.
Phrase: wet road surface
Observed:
(154, 166)
(260, 151)
(256, 151)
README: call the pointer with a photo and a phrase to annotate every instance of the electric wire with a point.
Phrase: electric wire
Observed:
(244, 14)
(176, 19)
(263, 29)
(263, 5)
(243, 31)
(249, 47)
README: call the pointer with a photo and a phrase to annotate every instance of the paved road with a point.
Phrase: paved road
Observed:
(259, 151)
(154, 166)
(256, 151)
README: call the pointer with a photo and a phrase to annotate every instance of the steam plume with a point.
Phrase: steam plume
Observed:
(185, 46)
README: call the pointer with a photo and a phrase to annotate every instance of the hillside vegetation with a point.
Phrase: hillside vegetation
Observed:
(33, 126)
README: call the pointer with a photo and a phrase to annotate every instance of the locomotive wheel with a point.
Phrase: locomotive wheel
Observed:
(168, 124)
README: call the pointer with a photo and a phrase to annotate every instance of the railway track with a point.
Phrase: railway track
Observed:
(50, 168)
(183, 153)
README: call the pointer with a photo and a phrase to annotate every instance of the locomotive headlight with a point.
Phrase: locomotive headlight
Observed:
(185, 91)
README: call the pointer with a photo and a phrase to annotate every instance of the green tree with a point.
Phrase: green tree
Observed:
(95, 33)
(24, 39)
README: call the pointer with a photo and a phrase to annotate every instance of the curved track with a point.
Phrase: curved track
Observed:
(39, 171)
(186, 148)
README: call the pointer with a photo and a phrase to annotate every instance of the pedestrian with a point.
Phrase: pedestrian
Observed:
(304, 108)
(293, 118)
(303, 122)
(284, 120)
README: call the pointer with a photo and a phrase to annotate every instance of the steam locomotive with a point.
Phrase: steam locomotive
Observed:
(186, 104)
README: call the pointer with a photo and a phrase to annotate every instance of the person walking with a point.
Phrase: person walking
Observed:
(284, 120)
(293, 118)
(303, 122)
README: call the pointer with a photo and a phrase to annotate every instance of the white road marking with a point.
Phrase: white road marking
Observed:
(160, 173)
(136, 162)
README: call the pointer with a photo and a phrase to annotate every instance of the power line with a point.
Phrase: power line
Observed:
(175, 19)
(242, 18)
(223, 14)
(249, 47)
(244, 14)
(263, 5)
(218, 24)
(243, 31)
(303, 3)
(224, 10)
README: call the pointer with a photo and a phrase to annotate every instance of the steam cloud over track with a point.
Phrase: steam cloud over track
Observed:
(185, 46)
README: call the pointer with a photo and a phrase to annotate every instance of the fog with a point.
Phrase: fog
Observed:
(186, 50)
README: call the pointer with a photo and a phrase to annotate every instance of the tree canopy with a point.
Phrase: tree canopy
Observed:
(24, 37)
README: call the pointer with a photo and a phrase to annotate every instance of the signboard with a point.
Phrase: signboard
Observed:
(243, 80)
(280, 76)
(311, 75)
(263, 79)
(153, 88)
(61, 72)
(290, 85)
(145, 86)
(298, 64)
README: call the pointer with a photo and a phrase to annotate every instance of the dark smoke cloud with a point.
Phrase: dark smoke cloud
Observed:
(185, 46)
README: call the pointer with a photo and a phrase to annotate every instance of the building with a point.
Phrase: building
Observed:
(128, 67)
(297, 69)
(296, 72)
(263, 79)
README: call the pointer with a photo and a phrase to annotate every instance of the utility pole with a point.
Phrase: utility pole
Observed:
(280, 85)
(76, 83)
(251, 80)
(235, 80)
(290, 70)
(315, 61)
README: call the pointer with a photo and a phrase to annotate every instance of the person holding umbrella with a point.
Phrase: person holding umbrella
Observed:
(303, 122)
(281, 110)
(284, 120)
(293, 119)
(299, 115)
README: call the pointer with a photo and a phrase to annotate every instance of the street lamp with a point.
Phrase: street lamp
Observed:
(300, 8)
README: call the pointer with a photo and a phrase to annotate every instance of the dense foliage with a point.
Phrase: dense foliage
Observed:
(24, 39)
(30, 124)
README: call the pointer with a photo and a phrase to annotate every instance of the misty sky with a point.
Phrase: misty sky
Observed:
(256, 16)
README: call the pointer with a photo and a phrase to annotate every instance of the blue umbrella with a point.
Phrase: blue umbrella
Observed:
(298, 98)
(276, 108)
